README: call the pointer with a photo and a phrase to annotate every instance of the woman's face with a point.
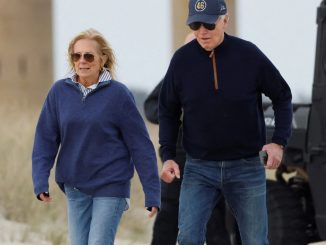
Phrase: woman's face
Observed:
(87, 60)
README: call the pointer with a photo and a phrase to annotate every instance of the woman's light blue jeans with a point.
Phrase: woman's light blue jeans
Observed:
(92, 220)
(243, 184)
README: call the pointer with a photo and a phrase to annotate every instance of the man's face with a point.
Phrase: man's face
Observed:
(210, 39)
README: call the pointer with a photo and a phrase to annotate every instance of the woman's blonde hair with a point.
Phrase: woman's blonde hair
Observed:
(104, 46)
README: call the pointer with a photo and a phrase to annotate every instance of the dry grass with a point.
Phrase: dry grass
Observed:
(17, 201)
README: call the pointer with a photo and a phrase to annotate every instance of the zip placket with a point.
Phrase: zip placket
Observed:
(84, 97)
(92, 91)
(212, 56)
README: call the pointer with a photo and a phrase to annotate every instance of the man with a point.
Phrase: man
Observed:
(165, 229)
(217, 82)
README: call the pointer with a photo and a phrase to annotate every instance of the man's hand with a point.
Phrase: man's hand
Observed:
(170, 171)
(275, 155)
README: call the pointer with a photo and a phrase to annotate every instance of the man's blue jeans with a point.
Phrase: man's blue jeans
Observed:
(92, 220)
(243, 184)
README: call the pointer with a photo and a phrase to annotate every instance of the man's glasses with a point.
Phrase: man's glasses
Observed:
(196, 25)
(87, 56)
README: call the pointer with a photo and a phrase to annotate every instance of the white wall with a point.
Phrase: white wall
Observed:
(286, 32)
(138, 31)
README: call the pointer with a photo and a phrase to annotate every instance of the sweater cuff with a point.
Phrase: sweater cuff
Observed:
(167, 156)
(279, 142)
(150, 204)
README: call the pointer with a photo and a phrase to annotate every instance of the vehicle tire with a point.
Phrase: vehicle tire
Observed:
(286, 220)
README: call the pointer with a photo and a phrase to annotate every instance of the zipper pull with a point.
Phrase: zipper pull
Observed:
(212, 56)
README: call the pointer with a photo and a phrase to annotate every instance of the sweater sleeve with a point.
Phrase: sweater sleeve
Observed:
(142, 151)
(169, 116)
(275, 87)
(46, 144)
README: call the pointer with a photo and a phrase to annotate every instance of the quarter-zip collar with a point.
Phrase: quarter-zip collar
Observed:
(104, 78)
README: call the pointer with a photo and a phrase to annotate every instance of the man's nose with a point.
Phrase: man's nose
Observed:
(202, 28)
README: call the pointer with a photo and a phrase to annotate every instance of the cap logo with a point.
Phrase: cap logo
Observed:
(200, 5)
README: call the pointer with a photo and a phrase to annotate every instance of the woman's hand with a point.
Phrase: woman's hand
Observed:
(153, 211)
(45, 197)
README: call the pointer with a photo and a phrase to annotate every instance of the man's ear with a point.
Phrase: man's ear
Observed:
(226, 19)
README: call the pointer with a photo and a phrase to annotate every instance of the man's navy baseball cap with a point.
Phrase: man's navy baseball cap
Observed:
(206, 11)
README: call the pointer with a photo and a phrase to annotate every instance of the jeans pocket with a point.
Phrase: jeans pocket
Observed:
(74, 193)
(189, 158)
(253, 161)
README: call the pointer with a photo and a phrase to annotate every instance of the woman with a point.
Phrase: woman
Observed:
(94, 122)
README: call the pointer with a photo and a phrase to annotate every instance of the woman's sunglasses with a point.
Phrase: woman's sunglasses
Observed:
(87, 56)
(196, 25)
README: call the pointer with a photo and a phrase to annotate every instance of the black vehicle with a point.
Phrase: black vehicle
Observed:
(297, 198)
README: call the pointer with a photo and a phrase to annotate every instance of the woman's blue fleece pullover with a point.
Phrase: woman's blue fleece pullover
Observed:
(228, 122)
(98, 140)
